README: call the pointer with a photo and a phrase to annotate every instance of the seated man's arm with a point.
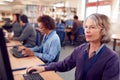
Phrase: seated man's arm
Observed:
(24, 35)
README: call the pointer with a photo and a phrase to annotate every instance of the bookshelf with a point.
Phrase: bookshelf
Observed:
(32, 11)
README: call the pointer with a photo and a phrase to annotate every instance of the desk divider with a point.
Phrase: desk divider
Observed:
(17, 69)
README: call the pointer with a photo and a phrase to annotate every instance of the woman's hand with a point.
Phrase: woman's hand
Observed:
(21, 48)
(27, 52)
(37, 68)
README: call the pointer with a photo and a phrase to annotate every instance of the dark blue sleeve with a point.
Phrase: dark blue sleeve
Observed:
(112, 69)
(67, 64)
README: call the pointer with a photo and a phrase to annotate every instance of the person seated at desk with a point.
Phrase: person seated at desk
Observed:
(75, 30)
(16, 26)
(93, 60)
(50, 46)
(28, 34)
(60, 29)
(60, 25)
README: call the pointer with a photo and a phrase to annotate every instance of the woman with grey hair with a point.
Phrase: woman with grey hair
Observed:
(93, 60)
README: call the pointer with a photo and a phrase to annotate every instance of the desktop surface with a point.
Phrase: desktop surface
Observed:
(49, 75)
(18, 63)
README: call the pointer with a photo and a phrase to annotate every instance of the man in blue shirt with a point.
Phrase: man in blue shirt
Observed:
(50, 46)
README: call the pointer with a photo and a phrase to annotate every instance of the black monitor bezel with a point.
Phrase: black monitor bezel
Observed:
(6, 71)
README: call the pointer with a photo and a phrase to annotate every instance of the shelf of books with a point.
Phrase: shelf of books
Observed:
(32, 11)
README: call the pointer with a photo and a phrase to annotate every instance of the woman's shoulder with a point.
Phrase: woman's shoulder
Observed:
(111, 53)
(53, 36)
(82, 47)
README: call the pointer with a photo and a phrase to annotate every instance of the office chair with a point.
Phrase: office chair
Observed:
(61, 35)
(38, 40)
(60, 27)
(81, 36)
(38, 35)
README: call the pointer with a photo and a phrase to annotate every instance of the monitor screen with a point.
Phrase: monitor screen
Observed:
(5, 68)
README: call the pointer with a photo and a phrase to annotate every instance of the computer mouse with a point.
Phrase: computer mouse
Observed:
(31, 71)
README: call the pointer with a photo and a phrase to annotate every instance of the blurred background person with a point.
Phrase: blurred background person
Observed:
(75, 29)
(60, 29)
(16, 26)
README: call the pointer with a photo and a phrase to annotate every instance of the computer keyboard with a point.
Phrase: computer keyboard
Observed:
(33, 76)
(16, 53)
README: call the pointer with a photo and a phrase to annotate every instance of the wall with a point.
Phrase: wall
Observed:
(79, 5)
(115, 26)
(5, 8)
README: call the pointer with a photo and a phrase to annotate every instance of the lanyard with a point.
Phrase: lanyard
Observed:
(84, 60)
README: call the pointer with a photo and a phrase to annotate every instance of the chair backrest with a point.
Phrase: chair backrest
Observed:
(61, 35)
(38, 36)
(38, 41)
(81, 37)
(81, 31)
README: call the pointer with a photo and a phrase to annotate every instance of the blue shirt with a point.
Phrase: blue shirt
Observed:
(60, 27)
(49, 48)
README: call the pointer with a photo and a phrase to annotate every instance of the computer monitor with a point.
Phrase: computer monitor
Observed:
(5, 68)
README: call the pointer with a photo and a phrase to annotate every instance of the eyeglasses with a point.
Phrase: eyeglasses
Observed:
(92, 27)
(40, 26)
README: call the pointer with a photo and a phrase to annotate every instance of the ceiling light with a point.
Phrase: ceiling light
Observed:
(2, 3)
(9, 0)
(61, 4)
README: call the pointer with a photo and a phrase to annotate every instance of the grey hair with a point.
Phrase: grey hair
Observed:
(102, 21)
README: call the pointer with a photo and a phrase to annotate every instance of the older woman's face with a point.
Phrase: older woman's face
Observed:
(42, 28)
(92, 32)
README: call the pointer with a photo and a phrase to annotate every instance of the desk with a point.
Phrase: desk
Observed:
(49, 75)
(2, 23)
(115, 37)
(13, 43)
(29, 61)
(67, 30)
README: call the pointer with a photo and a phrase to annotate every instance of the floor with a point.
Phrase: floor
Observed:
(65, 51)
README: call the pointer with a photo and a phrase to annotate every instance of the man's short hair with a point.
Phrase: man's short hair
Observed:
(24, 18)
(75, 17)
